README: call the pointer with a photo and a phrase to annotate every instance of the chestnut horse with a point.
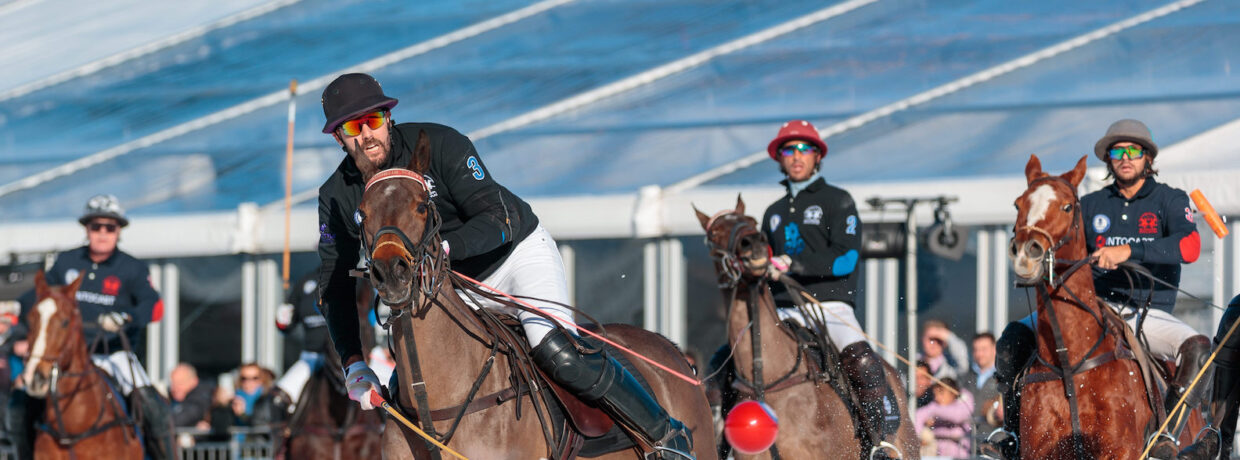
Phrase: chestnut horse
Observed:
(815, 421)
(83, 415)
(1084, 395)
(470, 378)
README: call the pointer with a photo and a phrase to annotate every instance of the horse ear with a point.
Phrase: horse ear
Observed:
(40, 285)
(703, 218)
(71, 291)
(364, 165)
(740, 205)
(1033, 169)
(421, 154)
(1076, 174)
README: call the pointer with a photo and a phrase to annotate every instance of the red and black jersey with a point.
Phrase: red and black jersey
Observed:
(1157, 223)
(119, 284)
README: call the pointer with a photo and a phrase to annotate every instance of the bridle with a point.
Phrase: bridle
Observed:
(428, 266)
(731, 267)
(1048, 259)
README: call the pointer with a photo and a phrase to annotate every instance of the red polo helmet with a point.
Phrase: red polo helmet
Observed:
(796, 130)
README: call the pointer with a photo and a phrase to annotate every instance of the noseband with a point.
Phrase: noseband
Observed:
(731, 266)
(427, 265)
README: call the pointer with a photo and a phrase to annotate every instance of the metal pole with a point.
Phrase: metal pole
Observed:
(891, 298)
(1002, 289)
(910, 300)
(650, 286)
(983, 288)
(171, 296)
(249, 297)
(871, 297)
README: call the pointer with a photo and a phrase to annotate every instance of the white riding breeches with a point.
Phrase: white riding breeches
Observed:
(534, 269)
(125, 368)
(842, 325)
(1164, 332)
(295, 378)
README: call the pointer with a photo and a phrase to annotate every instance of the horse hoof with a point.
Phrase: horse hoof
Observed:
(1206, 447)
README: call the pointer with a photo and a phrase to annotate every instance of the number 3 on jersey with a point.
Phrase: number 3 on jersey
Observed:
(472, 163)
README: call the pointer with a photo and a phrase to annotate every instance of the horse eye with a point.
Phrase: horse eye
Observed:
(1067, 207)
(422, 207)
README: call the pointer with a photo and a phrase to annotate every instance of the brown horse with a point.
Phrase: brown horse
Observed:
(476, 385)
(1084, 396)
(815, 421)
(83, 415)
(327, 425)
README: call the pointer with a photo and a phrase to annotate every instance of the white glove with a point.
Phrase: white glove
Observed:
(284, 316)
(778, 266)
(361, 382)
(113, 322)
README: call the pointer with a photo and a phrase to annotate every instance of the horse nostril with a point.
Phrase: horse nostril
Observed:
(1013, 248)
(376, 274)
(1036, 250)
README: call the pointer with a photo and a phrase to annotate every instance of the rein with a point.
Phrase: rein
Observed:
(61, 433)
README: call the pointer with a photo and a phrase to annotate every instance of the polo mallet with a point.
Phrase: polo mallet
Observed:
(378, 401)
(1207, 211)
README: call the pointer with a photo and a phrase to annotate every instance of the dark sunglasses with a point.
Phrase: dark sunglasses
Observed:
(246, 377)
(1133, 152)
(97, 226)
(794, 149)
(374, 120)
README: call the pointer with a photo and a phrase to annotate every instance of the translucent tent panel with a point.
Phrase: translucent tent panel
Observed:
(1173, 73)
(220, 69)
(482, 80)
(714, 114)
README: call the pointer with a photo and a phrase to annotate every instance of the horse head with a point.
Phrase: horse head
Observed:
(55, 334)
(1048, 221)
(400, 227)
(739, 249)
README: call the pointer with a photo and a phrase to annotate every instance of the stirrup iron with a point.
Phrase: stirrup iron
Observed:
(888, 446)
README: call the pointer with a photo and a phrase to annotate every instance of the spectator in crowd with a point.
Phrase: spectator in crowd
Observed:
(381, 362)
(7, 323)
(950, 418)
(191, 400)
(924, 395)
(221, 417)
(252, 383)
(943, 350)
(980, 382)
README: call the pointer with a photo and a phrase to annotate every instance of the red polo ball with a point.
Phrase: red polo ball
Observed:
(751, 427)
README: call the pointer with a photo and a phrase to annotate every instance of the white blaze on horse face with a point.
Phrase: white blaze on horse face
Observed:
(47, 309)
(1039, 203)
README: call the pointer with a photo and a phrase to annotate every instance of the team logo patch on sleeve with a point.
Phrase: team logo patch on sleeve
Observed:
(1101, 223)
(813, 215)
(325, 235)
(774, 221)
(1188, 215)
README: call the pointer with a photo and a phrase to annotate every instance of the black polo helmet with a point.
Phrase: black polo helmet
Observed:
(351, 95)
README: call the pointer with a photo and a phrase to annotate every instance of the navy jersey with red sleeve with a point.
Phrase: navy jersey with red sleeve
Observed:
(1157, 223)
(119, 284)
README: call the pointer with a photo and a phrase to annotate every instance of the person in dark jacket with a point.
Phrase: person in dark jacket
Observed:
(116, 301)
(490, 235)
(191, 399)
(301, 309)
(1134, 219)
(815, 236)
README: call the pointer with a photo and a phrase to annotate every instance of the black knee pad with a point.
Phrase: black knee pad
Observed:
(1013, 351)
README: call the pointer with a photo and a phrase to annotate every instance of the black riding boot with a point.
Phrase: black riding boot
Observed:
(1013, 351)
(880, 413)
(158, 433)
(1225, 403)
(19, 420)
(1193, 354)
(601, 380)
